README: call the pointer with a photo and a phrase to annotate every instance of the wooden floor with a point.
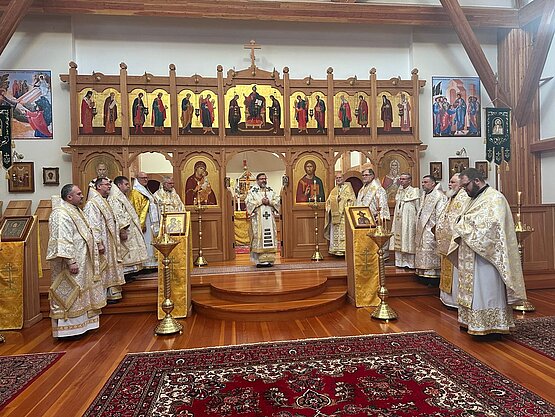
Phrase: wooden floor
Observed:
(73, 382)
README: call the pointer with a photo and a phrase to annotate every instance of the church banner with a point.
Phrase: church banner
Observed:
(6, 136)
(498, 135)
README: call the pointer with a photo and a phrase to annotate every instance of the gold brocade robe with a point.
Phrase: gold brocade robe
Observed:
(407, 203)
(169, 200)
(71, 240)
(341, 197)
(373, 195)
(444, 233)
(103, 224)
(133, 250)
(426, 257)
(486, 228)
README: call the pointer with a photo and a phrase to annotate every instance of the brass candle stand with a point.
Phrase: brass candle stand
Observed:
(200, 261)
(316, 256)
(523, 231)
(380, 236)
(165, 245)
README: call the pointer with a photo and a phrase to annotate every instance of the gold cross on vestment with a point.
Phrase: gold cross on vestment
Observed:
(8, 270)
(252, 46)
(366, 253)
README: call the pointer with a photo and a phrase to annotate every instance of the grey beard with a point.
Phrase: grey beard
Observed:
(451, 193)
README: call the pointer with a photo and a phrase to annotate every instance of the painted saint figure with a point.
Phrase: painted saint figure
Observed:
(187, 111)
(158, 114)
(275, 113)
(320, 115)
(110, 113)
(362, 112)
(404, 113)
(301, 113)
(139, 113)
(234, 114)
(88, 111)
(255, 108)
(345, 114)
(197, 187)
(387, 113)
(310, 187)
(206, 114)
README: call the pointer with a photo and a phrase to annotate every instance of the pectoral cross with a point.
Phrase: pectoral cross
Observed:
(8, 270)
(252, 46)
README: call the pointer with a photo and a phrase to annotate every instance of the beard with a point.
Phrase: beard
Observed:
(451, 193)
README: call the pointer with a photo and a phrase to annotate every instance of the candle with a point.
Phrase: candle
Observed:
(518, 197)
(314, 189)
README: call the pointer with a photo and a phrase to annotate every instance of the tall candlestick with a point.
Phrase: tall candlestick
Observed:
(518, 197)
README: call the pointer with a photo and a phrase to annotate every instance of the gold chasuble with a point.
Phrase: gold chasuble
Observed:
(180, 270)
(11, 285)
(341, 197)
(362, 266)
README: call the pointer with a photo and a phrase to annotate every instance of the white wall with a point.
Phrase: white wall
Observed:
(100, 43)
(547, 131)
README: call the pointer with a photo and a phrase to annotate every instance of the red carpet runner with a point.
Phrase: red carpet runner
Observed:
(17, 372)
(537, 333)
(407, 374)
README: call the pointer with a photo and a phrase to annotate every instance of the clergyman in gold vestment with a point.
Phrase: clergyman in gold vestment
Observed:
(485, 249)
(449, 276)
(341, 197)
(77, 293)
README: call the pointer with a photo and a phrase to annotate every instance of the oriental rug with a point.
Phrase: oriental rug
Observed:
(536, 333)
(403, 374)
(17, 372)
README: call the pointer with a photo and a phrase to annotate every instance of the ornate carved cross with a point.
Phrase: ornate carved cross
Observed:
(252, 46)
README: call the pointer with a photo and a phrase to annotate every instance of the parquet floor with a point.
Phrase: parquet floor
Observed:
(73, 382)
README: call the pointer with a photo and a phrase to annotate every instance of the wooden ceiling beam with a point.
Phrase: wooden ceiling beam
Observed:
(11, 16)
(540, 50)
(474, 50)
(531, 12)
(298, 11)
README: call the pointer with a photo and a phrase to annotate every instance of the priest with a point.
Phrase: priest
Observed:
(341, 197)
(262, 207)
(133, 246)
(427, 260)
(107, 236)
(76, 294)
(407, 203)
(373, 195)
(167, 198)
(485, 249)
(449, 274)
(146, 208)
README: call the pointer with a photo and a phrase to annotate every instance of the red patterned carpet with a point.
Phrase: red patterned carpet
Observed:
(404, 374)
(17, 372)
(536, 333)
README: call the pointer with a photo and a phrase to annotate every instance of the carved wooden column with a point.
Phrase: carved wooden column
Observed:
(173, 103)
(124, 101)
(372, 105)
(524, 174)
(221, 103)
(286, 104)
(330, 106)
(414, 104)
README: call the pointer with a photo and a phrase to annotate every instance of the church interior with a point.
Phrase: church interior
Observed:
(300, 91)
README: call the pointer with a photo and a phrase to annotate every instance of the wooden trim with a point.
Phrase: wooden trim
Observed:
(531, 12)
(545, 145)
(298, 11)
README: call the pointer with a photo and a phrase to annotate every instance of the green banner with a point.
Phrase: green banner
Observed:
(498, 135)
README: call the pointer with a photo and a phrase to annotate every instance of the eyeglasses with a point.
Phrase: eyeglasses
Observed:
(143, 178)
(466, 184)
